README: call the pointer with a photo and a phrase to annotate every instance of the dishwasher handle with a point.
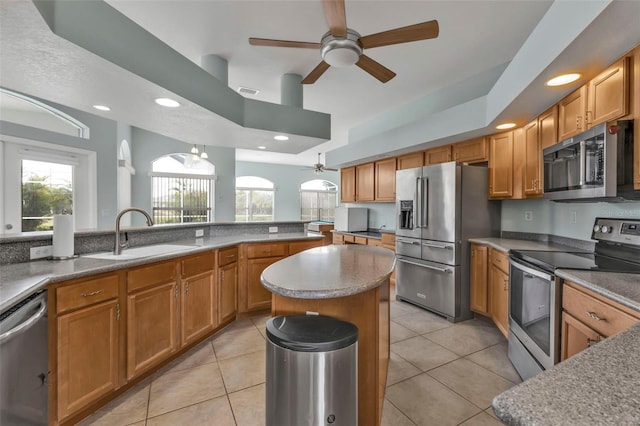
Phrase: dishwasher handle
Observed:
(25, 325)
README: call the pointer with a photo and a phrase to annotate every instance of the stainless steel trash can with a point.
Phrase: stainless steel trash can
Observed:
(312, 371)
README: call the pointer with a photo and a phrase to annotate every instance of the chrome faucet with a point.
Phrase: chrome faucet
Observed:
(118, 247)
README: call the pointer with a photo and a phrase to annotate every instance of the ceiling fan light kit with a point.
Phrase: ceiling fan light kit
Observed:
(341, 51)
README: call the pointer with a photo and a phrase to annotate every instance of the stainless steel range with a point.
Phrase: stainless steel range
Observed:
(535, 291)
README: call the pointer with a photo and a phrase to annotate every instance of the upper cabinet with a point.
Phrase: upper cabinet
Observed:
(365, 176)
(369, 182)
(548, 127)
(604, 98)
(409, 161)
(532, 168)
(441, 154)
(385, 180)
(348, 185)
(501, 165)
(471, 151)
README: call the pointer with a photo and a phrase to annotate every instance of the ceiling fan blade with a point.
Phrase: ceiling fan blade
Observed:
(376, 69)
(331, 170)
(336, 17)
(316, 73)
(283, 43)
(423, 31)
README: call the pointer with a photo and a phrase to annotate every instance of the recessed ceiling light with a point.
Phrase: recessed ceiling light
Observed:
(564, 79)
(262, 147)
(166, 102)
(504, 126)
(102, 107)
(281, 138)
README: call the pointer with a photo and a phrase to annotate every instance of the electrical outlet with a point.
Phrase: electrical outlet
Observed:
(528, 216)
(273, 229)
(574, 217)
(40, 252)
(199, 233)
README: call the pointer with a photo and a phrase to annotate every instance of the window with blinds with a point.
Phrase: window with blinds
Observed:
(318, 200)
(182, 189)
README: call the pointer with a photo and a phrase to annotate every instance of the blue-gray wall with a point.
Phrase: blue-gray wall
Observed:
(147, 146)
(287, 180)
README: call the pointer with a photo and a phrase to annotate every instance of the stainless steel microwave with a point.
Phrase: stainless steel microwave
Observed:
(596, 164)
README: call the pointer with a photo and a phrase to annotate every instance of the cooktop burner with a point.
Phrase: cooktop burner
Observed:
(551, 260)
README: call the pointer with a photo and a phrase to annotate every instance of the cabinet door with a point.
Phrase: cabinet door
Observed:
(548, 127)
(499, 283)
(501, 165)
(441, 154)
(571, 112)
(338, 239)
(636, 121)
(151, 326)
(471, 151)
(227, 292)
(258, 297)
(198, 307)
(410, 161)
(87, 351)
(348, 185)
(575, 336)
(365, 178)
(385, 180)
(532, 171)
(608, 94)
(479, 279)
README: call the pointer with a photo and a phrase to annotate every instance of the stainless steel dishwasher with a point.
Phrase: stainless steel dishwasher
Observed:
(24, 363)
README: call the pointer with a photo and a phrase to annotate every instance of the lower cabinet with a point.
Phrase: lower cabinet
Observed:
(499, 290)
(198, 314)
(258, 297)
(489, 285)
(575, 336)
(227, 292)
(478, 280)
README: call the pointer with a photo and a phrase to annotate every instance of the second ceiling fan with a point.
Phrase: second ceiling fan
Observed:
(342, 46)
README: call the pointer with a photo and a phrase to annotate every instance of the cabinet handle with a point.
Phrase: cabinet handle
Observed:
(229, 256)
(222, 275)
(176, 290)
(186, 287)
(93, 293)
(595, 316)
(117, 312)
(578, 122)
(506, 285)
(586, 117)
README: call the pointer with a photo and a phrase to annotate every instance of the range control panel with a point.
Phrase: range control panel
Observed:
(624, 231)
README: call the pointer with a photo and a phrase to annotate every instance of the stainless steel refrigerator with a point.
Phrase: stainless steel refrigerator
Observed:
(438, 208)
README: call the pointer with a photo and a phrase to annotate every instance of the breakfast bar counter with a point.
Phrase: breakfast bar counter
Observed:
(349, 282)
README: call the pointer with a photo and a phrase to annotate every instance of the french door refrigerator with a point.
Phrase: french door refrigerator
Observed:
(438, 208)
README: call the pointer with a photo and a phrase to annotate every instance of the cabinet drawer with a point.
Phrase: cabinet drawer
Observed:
(338, 238)
(86, 293)
(500, 260)
(150, 275)
(596, 314)
(349, 239)
(389, 239)
(361, 240)
(227, 256)
(374, 242)
(194, 265)
(266, 250)
(298, 246)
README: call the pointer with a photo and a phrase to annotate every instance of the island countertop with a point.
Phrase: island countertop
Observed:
(330, 271)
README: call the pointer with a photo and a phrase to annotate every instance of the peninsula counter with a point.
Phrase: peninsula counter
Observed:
(349, 282)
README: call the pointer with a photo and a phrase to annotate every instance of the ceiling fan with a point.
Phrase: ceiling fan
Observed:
(342, 46)
(320, 168)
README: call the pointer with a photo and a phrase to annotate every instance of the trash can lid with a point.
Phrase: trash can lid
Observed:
(311, 333)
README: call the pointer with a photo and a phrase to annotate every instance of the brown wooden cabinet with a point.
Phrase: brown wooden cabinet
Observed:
(479, 279)
(608, 94)
(227, 292)
(258, 297)
(588, 317)
(338, 238)
(532, 170)
(471, 151)
(548, 127)
(410, 161)
(86, 358)
(501, 165)
(298, 246)
(499, 290)
(385, 179)
(365, 182)
(348, 185)
(198, 314)
(636, 114)
(437, 155)
(571, 110)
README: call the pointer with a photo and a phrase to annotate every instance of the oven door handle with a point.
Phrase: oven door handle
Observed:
(535, 272)
(447, 270)
(24, 326)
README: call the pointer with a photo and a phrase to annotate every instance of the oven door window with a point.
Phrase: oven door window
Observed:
(529, 307)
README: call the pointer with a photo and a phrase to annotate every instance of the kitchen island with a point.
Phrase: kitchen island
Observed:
(350, 283)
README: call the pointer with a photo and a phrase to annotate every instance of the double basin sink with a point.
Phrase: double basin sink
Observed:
(139, 252)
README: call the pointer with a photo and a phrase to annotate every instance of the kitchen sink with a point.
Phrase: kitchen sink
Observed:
(138, 252)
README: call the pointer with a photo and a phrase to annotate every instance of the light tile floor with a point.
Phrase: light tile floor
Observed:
(439, 374)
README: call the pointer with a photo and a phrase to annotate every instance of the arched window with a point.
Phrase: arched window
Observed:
(254, 199)
(318, 200)
(183, 187)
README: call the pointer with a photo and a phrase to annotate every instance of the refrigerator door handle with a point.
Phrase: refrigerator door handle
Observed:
(424, 219)
(418, 204)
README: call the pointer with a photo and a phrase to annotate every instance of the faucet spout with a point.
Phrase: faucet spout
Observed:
(119, 246)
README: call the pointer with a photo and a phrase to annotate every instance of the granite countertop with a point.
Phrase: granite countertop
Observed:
(598, 386)
(19, 280)
(330, 271)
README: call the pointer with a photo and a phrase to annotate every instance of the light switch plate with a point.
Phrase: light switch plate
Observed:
(40, 252)
(273, 229)
(199, 233)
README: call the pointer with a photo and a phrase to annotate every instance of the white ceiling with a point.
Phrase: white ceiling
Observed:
(475, 37)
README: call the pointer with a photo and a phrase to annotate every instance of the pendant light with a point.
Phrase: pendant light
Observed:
(204, 153)
(194, 150)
